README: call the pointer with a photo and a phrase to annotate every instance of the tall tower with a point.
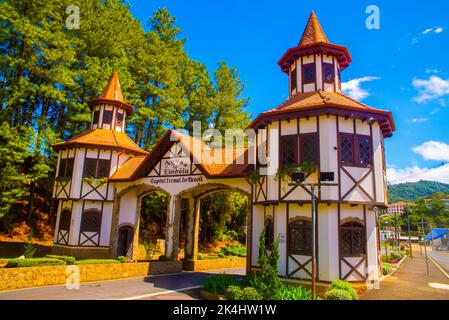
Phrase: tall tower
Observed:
(314, 64)
(82, 187)
(344, 139)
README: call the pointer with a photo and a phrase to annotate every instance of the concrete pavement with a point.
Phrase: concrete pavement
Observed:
(180, 286)
(411, 282)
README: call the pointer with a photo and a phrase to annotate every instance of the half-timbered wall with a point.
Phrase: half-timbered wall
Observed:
(326, 74)
(353, 182)
(108, 117)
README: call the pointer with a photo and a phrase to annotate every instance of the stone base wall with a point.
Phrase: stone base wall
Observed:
(18, 278)
(82, 253)
(213, 264)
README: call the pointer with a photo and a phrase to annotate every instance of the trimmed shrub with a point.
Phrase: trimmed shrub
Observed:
(396, 255)
(344, 285)
(219, 283)
(237, 250)
(237, 293)
(97, 261)
(33, 262)
(387, 268)
(337, 294)
(122, 259)
(250, 293)
(234, 293)
(293, 292)
(67, 259)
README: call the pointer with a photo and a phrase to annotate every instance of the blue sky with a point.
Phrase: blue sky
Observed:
(402, 67)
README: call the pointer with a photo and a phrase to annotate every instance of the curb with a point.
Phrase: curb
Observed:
(395, 269)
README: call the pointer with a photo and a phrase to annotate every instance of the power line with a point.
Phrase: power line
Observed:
(420, 173)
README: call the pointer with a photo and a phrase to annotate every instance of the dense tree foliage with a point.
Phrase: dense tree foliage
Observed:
(48, 72)
(415, 190)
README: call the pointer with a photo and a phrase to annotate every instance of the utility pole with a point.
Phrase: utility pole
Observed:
(409, 236)
(312, 188)
(425, 246)
(387, 238)
(396, 230)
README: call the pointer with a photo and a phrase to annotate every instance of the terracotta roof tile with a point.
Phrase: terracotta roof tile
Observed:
(320, 98)
(128, 168)
(112, 91)
(102, 138)
(313, 33)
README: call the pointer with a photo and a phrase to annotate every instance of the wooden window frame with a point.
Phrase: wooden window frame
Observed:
(120, 117)
(63, 224)
(356, 156)
(328, 65)
(351, 229)
(108, 120)
(66, 166)
(96, 170)
(293, 81)
(304, 68)
(83, 222)
(302, 138)
(96, 117)
(307, 249)
(281, 148)
(269, 232)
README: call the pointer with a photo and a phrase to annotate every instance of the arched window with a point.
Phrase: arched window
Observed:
(64, 220)
(300, 237)
(269, 233)
(91, 221)
(352, 239)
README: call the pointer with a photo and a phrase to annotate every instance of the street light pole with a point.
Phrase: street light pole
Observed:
(409, 236)
(312, 188)
(387, 239)
(425, 246)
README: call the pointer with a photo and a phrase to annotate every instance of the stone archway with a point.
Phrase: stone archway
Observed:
(139, 191)
(194, 196)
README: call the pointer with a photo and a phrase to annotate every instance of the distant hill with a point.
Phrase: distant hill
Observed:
(414, 190)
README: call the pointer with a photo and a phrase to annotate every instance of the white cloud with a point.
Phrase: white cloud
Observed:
(430, 150)
(433, 150)
(426, 32)
(353, 87)
(431, 89)
(431, 70)
(414, 174)
(420, 120)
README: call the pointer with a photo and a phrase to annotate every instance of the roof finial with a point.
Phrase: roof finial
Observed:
(112, 91)
(313, 33)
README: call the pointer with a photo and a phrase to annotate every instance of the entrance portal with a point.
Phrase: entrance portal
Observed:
(125, 240)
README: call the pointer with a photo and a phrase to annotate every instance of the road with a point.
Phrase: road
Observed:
(179, 286)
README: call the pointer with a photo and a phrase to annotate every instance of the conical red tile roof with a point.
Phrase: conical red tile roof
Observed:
(313, 33)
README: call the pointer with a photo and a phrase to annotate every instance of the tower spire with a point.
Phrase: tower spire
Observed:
(113, 91)
(313, 33)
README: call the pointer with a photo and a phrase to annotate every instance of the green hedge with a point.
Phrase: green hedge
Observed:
(67, 259)
(293, 292)
(33, 262)
(340, 290)
(97, 261)
(387, 268)
(122, 259)
(337, 294)
(237, 250)
(219, 283)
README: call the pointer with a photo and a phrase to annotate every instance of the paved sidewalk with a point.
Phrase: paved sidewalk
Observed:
(411, 282)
